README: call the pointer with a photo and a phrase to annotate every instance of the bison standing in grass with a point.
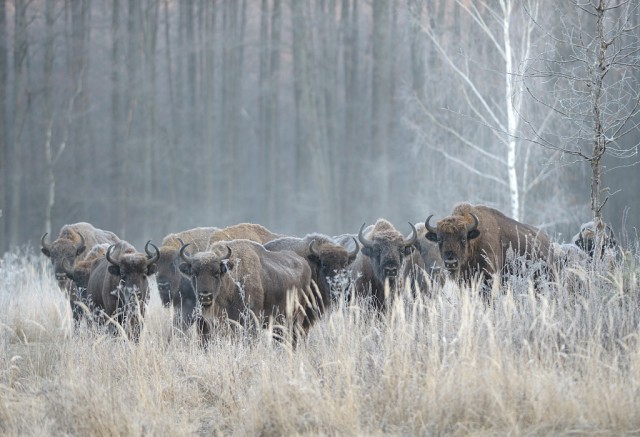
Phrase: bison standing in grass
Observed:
(118, 287)
(174, 288)
(242, 281)
(476, 240)
(378, 267)
(327, 259)
(73, 242)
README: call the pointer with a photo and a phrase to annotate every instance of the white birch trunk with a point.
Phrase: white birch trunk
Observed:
(512, 121)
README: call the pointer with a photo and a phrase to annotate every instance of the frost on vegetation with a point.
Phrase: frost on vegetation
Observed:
(32, 307)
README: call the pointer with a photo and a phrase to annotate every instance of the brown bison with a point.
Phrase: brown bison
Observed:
(380, 263)
(327, 259)
(475, 240)
(240, 279)
(73, 242)
(118, 286)
(586, 239)
(424, 264)
(174, 288)
(79, 274)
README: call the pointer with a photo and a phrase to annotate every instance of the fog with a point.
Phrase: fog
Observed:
(147, 117)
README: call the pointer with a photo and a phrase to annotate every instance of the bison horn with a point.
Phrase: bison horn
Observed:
(429, 227)
(363, 239)
(475, 223)
(80, 248)
(356, 250)
(153, 258)
(312, 248)
(42, 243)
(414, 236)
(228, 255)
(183, 255)
(108, 256)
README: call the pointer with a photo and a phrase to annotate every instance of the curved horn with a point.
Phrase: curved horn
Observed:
(363, 239)
(153, 258)
(228, 255)
(414, 236)
(475, 223)
(81, 245)
(429, 227)
(356, 250)
(108, 256)
(184, 256)
(312, 248)
(42, 243)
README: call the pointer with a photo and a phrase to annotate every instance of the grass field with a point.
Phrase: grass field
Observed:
(563, 362)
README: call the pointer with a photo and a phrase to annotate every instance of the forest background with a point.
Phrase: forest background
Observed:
(147, 117)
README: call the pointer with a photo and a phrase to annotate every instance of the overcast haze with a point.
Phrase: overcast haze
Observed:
(154, 116)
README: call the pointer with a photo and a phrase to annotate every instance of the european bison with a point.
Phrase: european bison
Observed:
(174, 288)
(119, 286)
(586, 240)
(476, 240)
(240, 279)
(380, 263)
(80, 273)
(73, 241)
(328, 260)
(424, 264)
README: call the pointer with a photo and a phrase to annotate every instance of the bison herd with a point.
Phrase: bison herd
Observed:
(249, 276)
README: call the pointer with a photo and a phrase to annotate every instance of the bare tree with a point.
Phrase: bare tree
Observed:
(590, 72)
(3, 122)
(509, 48)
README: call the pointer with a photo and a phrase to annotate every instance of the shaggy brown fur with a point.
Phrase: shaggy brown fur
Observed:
(249, 281)
(247, 231)
(484, 249)
(382, 261)
(120, 289)
(328, 261)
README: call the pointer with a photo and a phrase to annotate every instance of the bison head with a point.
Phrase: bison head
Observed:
(453, 235)
(386, 248)
(207, 272)
(58, 252)
(332, 260)
(133, 270)
(586, 238)
(168, 276)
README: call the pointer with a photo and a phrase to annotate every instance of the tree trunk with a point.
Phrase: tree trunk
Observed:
(4, 140)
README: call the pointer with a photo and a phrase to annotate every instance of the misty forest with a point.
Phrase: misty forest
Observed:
(147, 118)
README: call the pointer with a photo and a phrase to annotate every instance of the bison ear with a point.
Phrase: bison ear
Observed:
(152, 269)
(46, 251)
(226, 266)
(409, 250)
(114, 270)
(314, 258)
(431, 237)
(185, 268)
(367, 251)
(473, 234)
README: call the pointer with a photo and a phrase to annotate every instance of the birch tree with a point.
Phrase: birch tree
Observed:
(494, 23)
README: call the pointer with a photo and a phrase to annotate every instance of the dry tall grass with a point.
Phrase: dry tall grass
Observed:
(559, 362)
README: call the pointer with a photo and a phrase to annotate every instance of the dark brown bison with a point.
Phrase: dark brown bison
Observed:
(328, 260)
(240, 279)
(424, 264)
(118, 286)
(380, 263)
(79, 274)
(477, 239)
(586, 239)
(72, 244)
(174, 288)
